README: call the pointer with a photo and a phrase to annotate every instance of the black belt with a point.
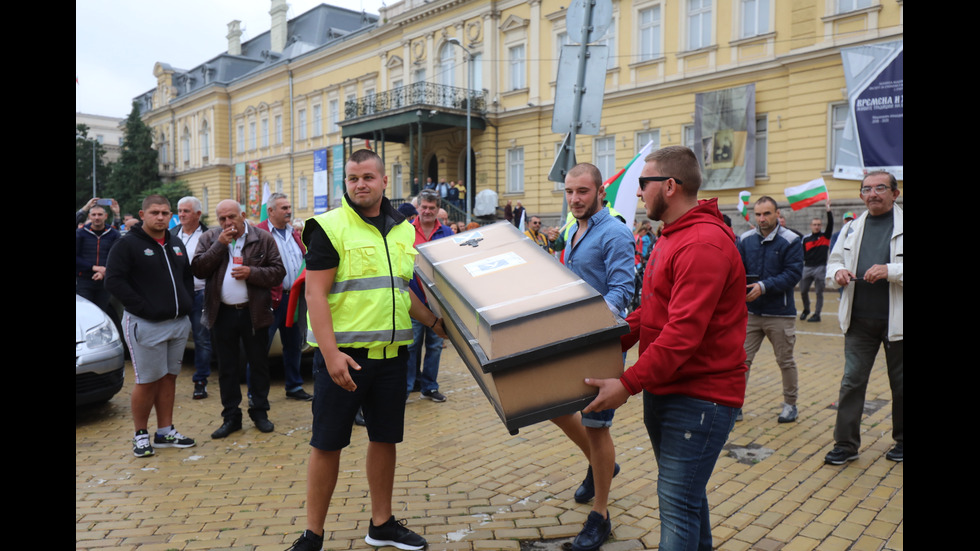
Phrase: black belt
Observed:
(242, 306)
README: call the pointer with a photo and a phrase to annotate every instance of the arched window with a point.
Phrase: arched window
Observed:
(185, 146)
(164, 153)
(205, 141)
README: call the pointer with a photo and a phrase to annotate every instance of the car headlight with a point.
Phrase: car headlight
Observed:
(101, 335)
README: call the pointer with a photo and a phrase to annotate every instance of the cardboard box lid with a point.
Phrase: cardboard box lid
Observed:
(509, 293)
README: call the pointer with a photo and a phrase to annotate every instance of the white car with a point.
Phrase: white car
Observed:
(98, 355)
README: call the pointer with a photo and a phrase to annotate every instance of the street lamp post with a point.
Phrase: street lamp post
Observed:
(469, 101)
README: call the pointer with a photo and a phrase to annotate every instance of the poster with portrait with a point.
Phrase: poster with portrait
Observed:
(724, 137)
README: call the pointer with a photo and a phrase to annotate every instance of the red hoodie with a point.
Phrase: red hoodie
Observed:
(692, 317)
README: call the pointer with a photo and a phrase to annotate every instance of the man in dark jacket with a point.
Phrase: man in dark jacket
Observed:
(816, 249)
(149, 272)
(241, 265)
(773, 258)
(92, 245)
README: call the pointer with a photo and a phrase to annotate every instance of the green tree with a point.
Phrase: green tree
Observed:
(83, 166)
(135, 173)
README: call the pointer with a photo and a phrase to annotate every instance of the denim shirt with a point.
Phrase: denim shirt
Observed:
(603, 258)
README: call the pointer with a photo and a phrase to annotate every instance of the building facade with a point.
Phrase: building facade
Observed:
(284, 107)
(108, 131)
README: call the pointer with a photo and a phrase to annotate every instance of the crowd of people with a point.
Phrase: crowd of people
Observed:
(709, 299)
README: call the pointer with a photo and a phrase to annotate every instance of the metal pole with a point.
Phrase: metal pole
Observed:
(93, 169)
(469, 138)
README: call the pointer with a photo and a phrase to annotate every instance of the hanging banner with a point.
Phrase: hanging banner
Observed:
(320, 181)
(873, 134)
(238, 188)
(338, 175)
(724, 137)
(254, 190)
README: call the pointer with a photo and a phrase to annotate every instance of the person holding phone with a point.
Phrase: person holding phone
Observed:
(774, 256)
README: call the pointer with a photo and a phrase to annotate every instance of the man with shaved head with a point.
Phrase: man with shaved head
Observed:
(240, 265)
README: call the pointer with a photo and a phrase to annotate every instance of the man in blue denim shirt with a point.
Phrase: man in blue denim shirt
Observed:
(600, 251)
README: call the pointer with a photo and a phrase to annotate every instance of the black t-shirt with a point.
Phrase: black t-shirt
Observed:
(320, 252)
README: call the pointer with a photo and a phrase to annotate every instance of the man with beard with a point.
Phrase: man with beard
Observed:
(600, 252)
(773, 257)
(691, 326)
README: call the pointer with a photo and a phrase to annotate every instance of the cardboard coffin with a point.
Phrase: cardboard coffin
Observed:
(528, 329)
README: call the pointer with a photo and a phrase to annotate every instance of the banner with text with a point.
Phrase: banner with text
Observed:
(338, 175)
(873, 135)
(320, 181)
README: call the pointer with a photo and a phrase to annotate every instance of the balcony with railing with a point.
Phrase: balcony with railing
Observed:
(419, 108)
(420, 94)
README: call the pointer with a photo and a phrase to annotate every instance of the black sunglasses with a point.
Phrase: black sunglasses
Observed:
(644, 179)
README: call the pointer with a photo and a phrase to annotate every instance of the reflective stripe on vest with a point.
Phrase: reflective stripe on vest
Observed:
(367, 284)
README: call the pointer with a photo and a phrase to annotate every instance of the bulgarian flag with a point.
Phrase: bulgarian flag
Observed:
(621, 188)
(807, 194)
(743, 203)
(264, 214)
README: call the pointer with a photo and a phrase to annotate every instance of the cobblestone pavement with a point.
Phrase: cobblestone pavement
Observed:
(465, 483)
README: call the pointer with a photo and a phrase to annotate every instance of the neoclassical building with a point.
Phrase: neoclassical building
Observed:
(285, 107)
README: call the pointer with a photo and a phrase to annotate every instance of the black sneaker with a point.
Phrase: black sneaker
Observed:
(814, 318)
(300, 395)
(586, 491)
(141, 444)
(395, 534)
(804, 315)
(595, 532)
(897, 453)
(434, 395)
(200, 390)
(839, 456)
(172, 439)
(307, 542)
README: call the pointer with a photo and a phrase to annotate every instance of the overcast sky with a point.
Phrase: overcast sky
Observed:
(118, 41)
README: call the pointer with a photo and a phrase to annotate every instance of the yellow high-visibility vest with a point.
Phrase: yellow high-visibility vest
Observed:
(369, 300)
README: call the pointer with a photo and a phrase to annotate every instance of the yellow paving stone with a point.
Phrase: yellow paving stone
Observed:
(801, 544)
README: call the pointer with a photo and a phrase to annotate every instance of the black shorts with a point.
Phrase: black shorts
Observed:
(380, 392)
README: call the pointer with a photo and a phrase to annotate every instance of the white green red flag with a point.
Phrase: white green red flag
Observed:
(807, 194)
(621, 188)
(264, 214)
(743, 203)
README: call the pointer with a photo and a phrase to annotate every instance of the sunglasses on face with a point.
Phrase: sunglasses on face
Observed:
(644, 179)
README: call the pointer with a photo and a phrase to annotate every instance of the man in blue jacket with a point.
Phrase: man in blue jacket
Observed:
(773, 258)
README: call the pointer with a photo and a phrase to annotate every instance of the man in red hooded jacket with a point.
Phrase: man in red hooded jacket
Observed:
(691, 329)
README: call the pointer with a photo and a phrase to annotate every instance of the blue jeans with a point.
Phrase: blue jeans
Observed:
(291, 339)
(687, 436)
(292, 344)
(202, 341)
(430, 363)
